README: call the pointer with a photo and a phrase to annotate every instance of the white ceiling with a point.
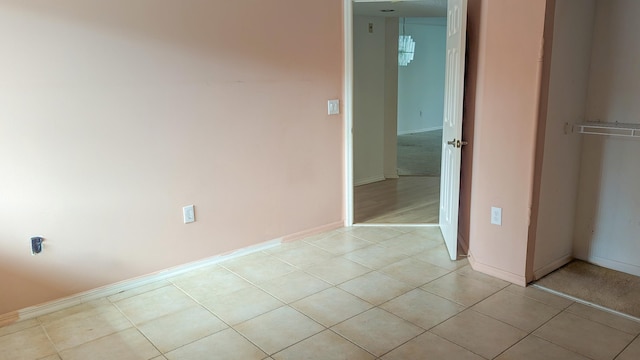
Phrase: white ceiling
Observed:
(403, 8)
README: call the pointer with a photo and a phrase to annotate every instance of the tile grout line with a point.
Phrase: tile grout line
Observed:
(238, 332)
(379, 306)
(625, 348)
(531, 333)
(46, 333)
(133, 324)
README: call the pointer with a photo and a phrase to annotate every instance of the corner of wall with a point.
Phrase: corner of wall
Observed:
(543, 105)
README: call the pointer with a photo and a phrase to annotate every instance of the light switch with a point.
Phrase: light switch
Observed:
(334, 107)
(188, 214)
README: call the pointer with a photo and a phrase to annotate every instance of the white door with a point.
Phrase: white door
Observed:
(452, 124)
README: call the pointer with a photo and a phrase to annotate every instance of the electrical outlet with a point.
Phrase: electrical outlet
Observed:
(496, 216)
(188, 214)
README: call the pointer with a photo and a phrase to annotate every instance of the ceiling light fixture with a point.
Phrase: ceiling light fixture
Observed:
(406, 47)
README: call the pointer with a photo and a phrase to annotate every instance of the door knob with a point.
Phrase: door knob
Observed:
(457, 143)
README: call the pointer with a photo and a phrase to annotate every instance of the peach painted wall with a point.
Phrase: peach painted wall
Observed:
(506, 115)
(115, 114)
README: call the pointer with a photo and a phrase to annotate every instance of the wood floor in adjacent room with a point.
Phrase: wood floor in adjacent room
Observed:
(406, 200)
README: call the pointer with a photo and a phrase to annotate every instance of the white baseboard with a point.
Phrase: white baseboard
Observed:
(314, 231)
(368, 180)
(614, 265)
(552, 266)
(396, 225)
(108, 290)
(495, 272)
(405, 132)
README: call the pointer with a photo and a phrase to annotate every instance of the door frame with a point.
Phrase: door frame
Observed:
(347, 109)
(347, 97)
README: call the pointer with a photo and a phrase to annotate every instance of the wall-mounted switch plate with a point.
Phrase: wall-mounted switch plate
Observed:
(496, 216)
(188, 214)
(334, 107)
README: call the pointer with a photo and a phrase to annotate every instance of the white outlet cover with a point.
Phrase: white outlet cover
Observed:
(188, 214)
(496, 216)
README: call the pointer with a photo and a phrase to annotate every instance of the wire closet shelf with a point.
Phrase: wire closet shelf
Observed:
(608, 129)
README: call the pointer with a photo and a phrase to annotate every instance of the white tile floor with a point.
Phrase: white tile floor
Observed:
(357, 293)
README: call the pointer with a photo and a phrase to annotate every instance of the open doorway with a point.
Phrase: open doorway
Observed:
(397, 112)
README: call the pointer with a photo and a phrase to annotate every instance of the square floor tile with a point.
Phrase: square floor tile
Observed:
(278, 329)
(211, 281)
(439, 256)
(375, 256)
(341, 243)
(606, 318)
(540, 295)
(18, 326)
(403, 228)
(487, 279)
(324, 346)
(154, 304)
(31, 343)
(331, 306)
(632, 352)
(431, 232)
(125, 345)
(242, 305)
(50, 357)
(414, 272)
(138, 290)
(304, 255)
(174, 330)
(585, 337)
(294, 286)
(534, 348)
(479, 333)
(87, 307)
(516, 310)
(375, 287)
(422, 308)
(374, 233)
(312, 238)
(461, 289)
(284, 246)
(432, 347)
(412, 243)
(377, 331)
(82, 327)
(337, 270)
(258, 267)
(223, 345)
